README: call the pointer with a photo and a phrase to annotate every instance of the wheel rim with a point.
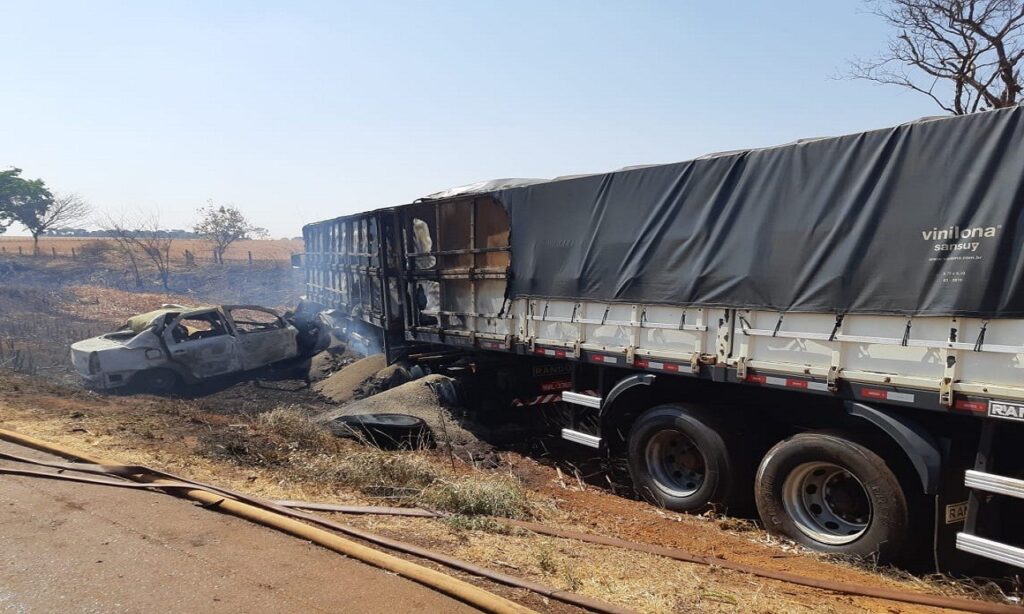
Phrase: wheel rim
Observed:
(828, 503)
(675, 463)
(158, 381)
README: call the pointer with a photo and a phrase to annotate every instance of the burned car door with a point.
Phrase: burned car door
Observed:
(202, 342)
(263, 336)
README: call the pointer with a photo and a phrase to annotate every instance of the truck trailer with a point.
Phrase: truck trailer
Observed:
(830, 332)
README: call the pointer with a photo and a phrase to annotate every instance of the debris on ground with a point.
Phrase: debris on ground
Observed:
(328, 362)
(342, 386)
(386, 431)
(421, 398)
(385, 379)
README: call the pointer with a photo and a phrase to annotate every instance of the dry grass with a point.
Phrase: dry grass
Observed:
(478, 494)
(984, 589)
(262, 249)
(288, 437)
(460, 522)
(297, 430)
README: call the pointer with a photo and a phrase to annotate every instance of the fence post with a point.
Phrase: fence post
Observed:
(54, 251)
(19, 251)
(250, 258)
(73, 254)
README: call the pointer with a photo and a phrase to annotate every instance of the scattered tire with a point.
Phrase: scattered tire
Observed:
(387, 431)
(679, 459)
(833, 495)
(155, 381)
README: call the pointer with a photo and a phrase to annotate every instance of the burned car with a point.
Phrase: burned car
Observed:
(175, 344)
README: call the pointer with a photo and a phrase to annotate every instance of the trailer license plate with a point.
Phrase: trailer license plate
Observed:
(956, 512)
(1006, 410)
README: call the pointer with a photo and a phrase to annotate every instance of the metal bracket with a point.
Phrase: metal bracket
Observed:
(832, 378)
(741, 368)
(576, 352)
(946, 392)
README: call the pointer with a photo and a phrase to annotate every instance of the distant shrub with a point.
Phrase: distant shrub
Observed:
(95, 250)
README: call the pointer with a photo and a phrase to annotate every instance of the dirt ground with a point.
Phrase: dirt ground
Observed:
(214, 434)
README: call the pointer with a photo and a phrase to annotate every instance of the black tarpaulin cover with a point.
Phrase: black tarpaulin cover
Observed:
(923, 218)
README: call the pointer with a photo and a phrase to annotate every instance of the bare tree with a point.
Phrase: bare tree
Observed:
(155, 242)
(62, 210)
(963, 54)
(139, 241)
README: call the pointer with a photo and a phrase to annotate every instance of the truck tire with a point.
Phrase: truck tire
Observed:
(679, 459)
(156, 381)
(386, 431)
(833, 495)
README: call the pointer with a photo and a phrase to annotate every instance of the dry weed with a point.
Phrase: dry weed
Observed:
(297, 429)
(478, 494)
(371, 471)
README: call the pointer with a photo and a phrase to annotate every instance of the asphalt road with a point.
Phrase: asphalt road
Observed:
(87, 548)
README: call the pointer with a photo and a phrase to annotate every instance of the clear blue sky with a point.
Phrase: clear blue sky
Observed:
(299, 111)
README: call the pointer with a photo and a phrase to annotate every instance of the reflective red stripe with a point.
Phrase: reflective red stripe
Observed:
(972, 405)
(757, 379)
(873, 393)
(558, 385)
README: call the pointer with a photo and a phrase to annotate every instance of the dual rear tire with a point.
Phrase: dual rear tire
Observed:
(820, 489)
(682, 458)
(833, 495)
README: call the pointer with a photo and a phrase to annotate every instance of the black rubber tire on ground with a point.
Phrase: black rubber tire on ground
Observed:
(156, 381)
(387, 431)
(722, 478)
(784, 508)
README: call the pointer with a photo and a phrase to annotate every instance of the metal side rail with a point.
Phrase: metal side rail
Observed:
(981, 481)
(996, 484)
(583, 399)
(990, 549)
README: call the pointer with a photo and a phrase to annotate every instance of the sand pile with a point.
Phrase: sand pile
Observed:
(421, 398)
(328, 362)
(343, 385)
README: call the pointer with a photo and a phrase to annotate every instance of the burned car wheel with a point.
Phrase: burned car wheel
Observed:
(155, 381)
